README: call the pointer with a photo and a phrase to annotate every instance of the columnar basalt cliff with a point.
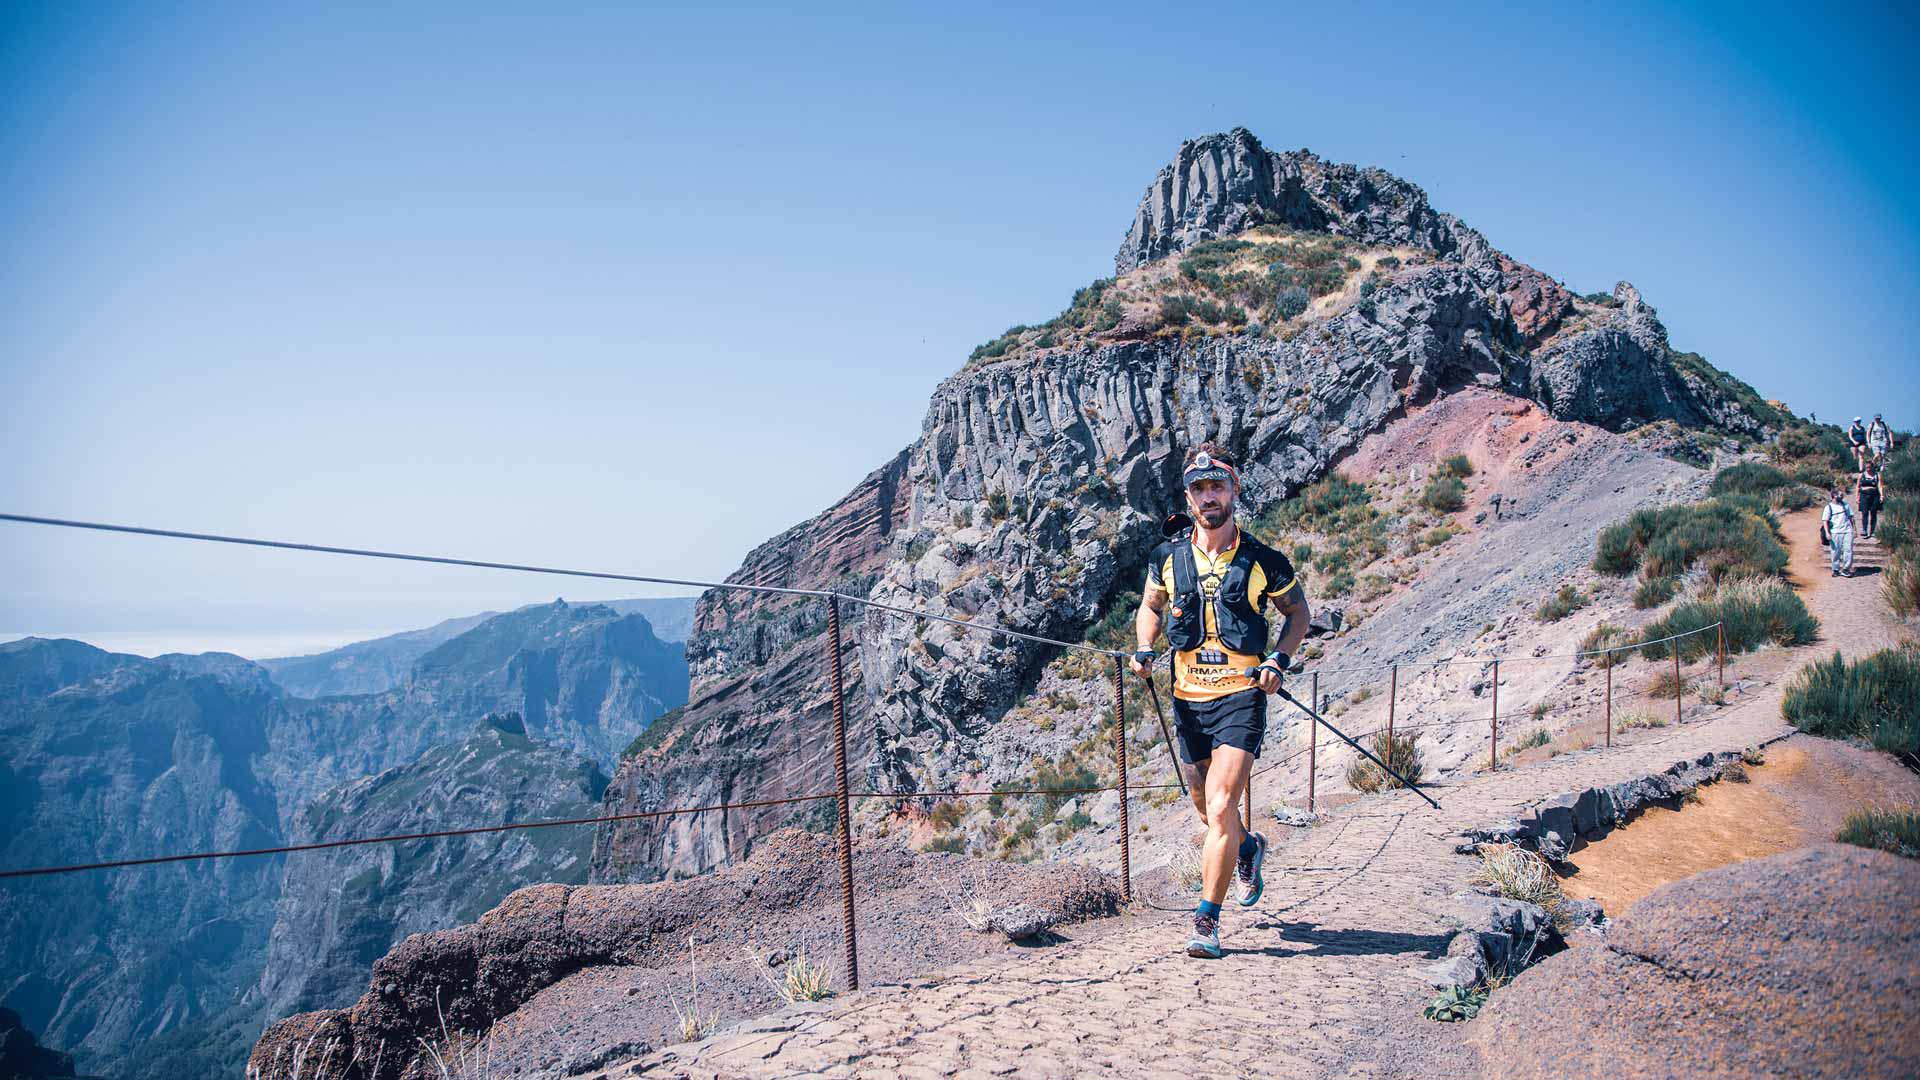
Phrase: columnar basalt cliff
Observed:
(1045, 465)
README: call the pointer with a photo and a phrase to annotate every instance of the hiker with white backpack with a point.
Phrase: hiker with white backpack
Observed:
(1836, 527)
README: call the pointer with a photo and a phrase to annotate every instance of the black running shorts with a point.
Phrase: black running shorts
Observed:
(1237, 720)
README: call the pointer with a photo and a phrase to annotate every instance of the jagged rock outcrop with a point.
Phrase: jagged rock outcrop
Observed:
(341, 909)
(1039, 478)
(1218, 185)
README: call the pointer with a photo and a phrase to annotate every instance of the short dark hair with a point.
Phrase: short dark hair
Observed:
(1212, 450)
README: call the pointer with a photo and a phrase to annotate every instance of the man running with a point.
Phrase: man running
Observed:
(1213, 582)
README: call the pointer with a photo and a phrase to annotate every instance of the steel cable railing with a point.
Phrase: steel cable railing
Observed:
(842, 793)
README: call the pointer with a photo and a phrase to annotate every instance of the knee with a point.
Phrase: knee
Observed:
(1223, 811)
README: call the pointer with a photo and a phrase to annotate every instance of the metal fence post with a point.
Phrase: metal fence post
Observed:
(1493, 752)
(1679, 688)
(1120, 754)
(1313, 741)
(1393, 699)
(1609, 655)
(840, 794)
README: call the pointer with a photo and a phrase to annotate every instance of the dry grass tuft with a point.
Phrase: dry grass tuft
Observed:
(1518, 874)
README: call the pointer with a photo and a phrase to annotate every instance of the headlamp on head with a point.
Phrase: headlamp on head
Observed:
(1206, 467)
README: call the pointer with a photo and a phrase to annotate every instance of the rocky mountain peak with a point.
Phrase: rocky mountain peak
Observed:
(1221, 184)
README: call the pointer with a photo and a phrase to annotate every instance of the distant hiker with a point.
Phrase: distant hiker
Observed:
(1857, 439)
(1869, 499)
(1213, 582)
(1837, 522)
(1879, 438)
(1493, 501)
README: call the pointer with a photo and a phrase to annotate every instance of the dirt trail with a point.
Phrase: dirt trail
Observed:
(1320, 978)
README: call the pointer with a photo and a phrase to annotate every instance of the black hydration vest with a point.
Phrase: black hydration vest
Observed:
(1242, 628)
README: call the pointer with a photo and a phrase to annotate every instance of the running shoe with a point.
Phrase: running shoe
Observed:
(1205, 942)
(1248, 871)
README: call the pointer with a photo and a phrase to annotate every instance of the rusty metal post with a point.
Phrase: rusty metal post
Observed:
(1393, 699)
(1493, 753)
(1120, 755)
(1720, 650)
(840, 794)
(1679, 688)
(1609, 697)
(1313, 741)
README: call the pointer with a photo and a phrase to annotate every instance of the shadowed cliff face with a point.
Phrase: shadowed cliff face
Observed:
(342, 909)
(758, 723)
(106, 757)
(1041, 474)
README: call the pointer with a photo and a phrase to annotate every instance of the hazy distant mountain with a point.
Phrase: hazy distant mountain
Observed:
(106, 756)
(342, 909)
(371, 667)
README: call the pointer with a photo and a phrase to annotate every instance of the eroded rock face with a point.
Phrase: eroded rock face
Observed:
(759, 721)
(1038, 481)
(1218, 185)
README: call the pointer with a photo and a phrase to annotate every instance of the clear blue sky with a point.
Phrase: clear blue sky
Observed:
(639, 289)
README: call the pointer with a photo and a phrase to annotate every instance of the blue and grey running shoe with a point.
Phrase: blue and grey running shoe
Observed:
(1205, 943)
(1247, 869)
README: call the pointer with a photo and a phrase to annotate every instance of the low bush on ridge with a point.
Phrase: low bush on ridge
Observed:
(1876, 699)
(1753, 612)
(1732, 535)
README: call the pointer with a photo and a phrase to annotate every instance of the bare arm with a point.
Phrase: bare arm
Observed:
(1292, 604)
(1146, 625)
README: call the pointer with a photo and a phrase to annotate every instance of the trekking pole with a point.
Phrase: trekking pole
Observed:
(1368, 754)
(1166, 733)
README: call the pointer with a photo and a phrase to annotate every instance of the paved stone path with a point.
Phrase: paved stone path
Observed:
(1321, 977)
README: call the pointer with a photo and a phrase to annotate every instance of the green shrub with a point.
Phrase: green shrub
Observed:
(1735, 533)
(1750, 478)
(1290, 302)
(1536, 737)
(1902, 585)
(1398, 751)
(1876, 699)
(1652, 592)
(1563, 603)
(1457, 465)
(1753, 612)
(1897, 831)
(1444, 494)
(949, 842)
(1618, 551)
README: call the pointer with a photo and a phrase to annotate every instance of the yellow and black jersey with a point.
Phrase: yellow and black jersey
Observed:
(1211, 670)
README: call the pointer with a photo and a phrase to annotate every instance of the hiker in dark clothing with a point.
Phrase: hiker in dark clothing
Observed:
(1869, 499)
(1857, 442)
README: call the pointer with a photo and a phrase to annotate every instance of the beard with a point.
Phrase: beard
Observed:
(1214, 517)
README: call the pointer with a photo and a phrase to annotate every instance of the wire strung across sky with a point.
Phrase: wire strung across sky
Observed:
(824, 594)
